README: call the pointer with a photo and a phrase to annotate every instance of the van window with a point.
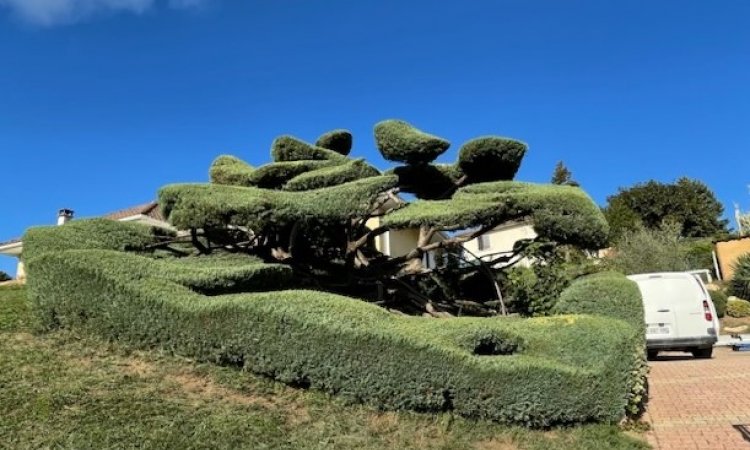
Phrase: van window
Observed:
(674, 289)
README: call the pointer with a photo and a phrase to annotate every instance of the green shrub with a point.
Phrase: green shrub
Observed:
(739, 285)
(332, 176)
(606, 294)
(230, 170)
(275, 175)
(737, 307)
(491, 158)
(539, 372)
(610, 294)
(427, 181)
(534, 291)
(200, 205)
(400, 141)
(720, 302)
(340, 141)
(102, 234)
(289, 148)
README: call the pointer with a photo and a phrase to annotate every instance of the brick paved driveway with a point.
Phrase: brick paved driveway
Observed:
(695, 402)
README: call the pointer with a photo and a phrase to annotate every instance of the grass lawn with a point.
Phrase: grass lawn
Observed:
(65, 390)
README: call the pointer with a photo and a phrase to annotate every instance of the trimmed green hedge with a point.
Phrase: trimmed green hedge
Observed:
(561, 213)
(101, 234)
(340, 141)
(427, 181)
(200, 205)
(289, 148)
(606, 294)
(227, 169)
(232, 171)
(611, 294)
(400, 141)
(538, 372)
(491, 158)
(332, 176)
(275, 175)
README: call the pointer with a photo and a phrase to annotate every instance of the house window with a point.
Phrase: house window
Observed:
(483, 242)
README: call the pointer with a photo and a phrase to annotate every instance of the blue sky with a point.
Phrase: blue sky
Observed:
(104, 101)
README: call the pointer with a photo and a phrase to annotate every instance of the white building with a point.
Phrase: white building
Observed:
(148, 214)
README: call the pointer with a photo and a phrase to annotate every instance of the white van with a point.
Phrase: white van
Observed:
(680, 315)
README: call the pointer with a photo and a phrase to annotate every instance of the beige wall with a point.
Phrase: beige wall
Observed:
(501, 239)
(727, 253)
(400, 242)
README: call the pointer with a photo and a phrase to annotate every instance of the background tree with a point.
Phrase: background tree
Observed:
(690, 203)
(4, 276)
(562, 175)
(645, 250)
(317, 210)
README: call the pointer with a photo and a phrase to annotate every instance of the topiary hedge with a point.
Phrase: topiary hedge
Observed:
(332, 176)
(538, 372)
(289, 148)
(561, 213)
(491, 158)
(399, 141)
(340, 141)
(611, 294)
(227, 169)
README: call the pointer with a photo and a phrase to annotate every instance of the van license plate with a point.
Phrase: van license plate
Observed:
(657, 330)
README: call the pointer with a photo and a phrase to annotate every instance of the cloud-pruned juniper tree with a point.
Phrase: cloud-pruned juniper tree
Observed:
(310, 208)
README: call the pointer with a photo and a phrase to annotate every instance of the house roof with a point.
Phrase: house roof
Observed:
(150, 210)
(12, 241)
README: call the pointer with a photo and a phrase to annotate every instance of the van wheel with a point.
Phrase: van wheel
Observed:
(652, 354)
(703, 353)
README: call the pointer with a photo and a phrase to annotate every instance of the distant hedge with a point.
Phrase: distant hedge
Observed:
(611, 294)
(538, 372)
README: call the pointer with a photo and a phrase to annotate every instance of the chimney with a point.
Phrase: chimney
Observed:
(64, 216)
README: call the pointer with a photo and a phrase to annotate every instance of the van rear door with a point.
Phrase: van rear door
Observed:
(676, 297)
(659, 307)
